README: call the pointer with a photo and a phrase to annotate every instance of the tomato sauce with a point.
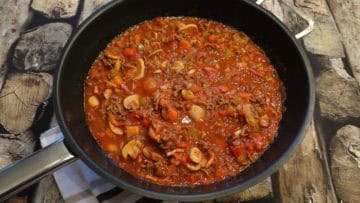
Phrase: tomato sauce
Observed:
(183, 101)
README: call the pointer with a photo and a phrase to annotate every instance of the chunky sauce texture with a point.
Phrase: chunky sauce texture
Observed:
(183, 101)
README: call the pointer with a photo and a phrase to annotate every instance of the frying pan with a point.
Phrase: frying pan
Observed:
(284, 51)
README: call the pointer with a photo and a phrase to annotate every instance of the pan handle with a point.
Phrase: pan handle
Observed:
(25, 172)
(308, 19)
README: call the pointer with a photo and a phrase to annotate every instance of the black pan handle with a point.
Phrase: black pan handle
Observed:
(308, 19)
(25, 172)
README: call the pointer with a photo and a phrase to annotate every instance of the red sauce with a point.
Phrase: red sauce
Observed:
(183, 101)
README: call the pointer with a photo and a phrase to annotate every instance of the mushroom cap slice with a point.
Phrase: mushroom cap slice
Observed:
(132, 102)
(195, 155)
(132, 149)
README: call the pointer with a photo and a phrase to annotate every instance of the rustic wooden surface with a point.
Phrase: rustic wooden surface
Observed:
(325, 168)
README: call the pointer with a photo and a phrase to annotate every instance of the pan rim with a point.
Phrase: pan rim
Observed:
(77, 150)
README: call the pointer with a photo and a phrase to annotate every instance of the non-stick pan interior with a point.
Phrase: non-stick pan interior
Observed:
(92, 38)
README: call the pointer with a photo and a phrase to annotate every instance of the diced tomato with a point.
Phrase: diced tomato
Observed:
(212, 72)
(182, 157)
(159, 21)
(184, 144)
(136, 39)
(223, 88)
(146, 123)
(184, 44)
(220, 142)
(237, 150)
(129, 52)
(212, 38)
(171, 114)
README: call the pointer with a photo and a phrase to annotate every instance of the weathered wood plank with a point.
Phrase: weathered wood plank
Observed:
(47, 191)
(347, 17)
(345, 163)
(275, 8)
(14, 147)
(14, 15)
(304, 177)
(20, 97)
(325, 38)
(262, 190)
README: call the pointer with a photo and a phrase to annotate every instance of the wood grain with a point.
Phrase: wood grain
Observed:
(262, 190)
(14, 147)
(20, 97)
(325, 38)
(14, 15)
(347, 17)
(304, 177)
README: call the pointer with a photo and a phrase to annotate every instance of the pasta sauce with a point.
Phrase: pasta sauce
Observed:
(183, 101)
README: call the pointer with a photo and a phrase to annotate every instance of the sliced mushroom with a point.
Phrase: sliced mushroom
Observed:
(113, 121)
(197, 113)
(206, 163)
(132, 102)
(193, 167)
(191, 72)
(140, 68)
(238, 132)
(150, 154)
(251, 116)
(131, 149)
(156, 52)
(196, 155)
(147, 152)
(241, 132)
(187, 26)
(113, 53)
(264, 121)
(178, 66)
(153, 135)
(93, 101)
(116, 130)
(210, 161)
(178, 150)
(107, 93)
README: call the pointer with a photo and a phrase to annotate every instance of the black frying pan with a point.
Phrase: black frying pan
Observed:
(283, 49)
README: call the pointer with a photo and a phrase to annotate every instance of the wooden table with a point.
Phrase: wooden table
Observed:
(325, 168)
